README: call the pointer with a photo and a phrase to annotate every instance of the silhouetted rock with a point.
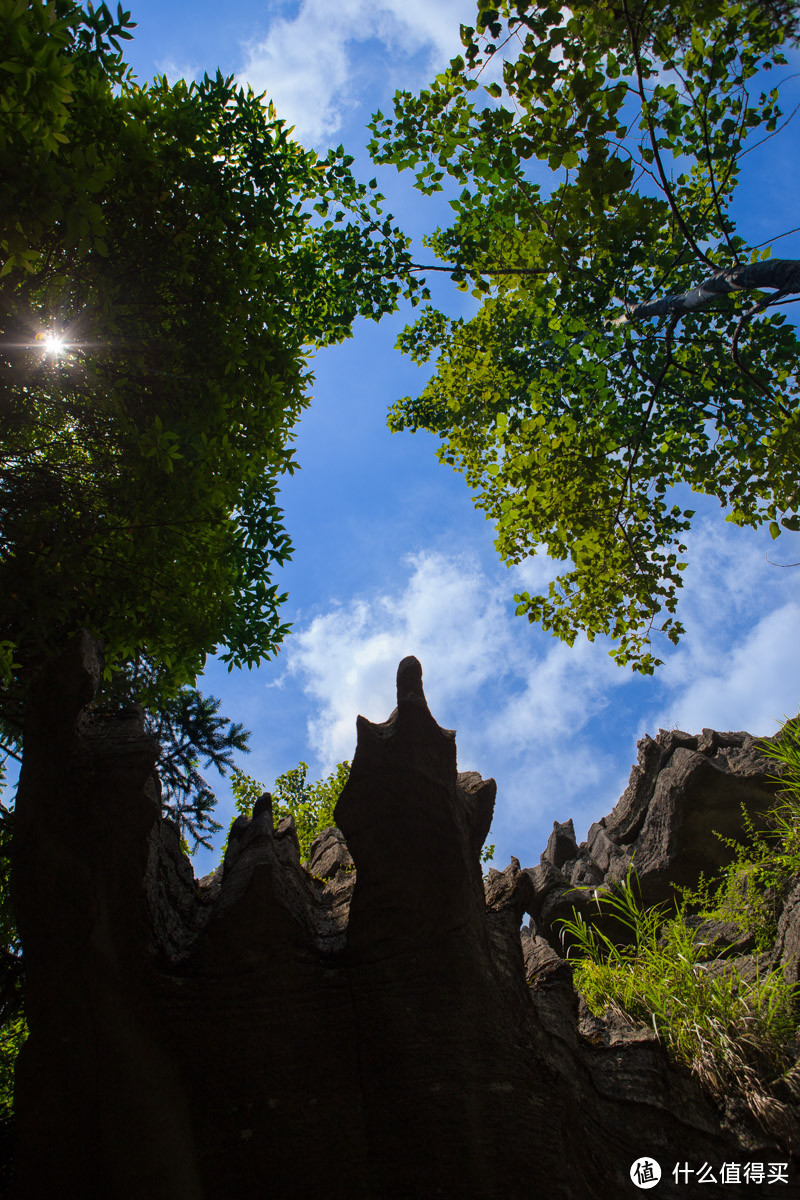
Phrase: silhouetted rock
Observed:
(378, 1032)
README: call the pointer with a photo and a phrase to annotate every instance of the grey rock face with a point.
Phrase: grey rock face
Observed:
(379, 1032)
(788, 944)
(561, 845)
(329, 854)
(682, 790)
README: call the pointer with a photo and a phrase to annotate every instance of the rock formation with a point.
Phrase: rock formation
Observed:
(683, 792)
(374, 1025)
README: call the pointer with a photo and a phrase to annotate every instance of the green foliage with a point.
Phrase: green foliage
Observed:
(786, 751)
(750, 891)
(51, 52)
(188, 730)
(166, 236)
(737, 1036)
(169, 256)
(12, 1037)
(596, 378)
(310, 805)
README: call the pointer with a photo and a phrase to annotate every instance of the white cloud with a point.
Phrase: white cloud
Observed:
(561, 690)
(738, 666)
(554, 725)
(752, 686)
(313, 64)
(534, 573)
(447, 615)
(177, 70)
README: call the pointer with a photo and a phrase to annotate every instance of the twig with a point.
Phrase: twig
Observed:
(778, 237)
(780, 128)
(657, 388)
(758, 307)
(676, 212)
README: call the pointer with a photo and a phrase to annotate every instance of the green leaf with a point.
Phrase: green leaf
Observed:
(169, 226)
(604, 421)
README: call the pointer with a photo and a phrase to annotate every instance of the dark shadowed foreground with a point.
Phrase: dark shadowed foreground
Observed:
(378, 1032)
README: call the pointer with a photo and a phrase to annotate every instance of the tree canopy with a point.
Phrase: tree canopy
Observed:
(310, 805)
(164, 276)
(629, 346)
(169, 256)
(190, 732)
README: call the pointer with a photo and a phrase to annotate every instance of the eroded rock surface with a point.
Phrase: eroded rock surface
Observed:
(683, 791)
(371, 1024)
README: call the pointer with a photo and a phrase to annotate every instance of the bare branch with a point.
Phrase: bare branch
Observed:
(781, 565)
(777, 238)
(483, 270)
(780, 128)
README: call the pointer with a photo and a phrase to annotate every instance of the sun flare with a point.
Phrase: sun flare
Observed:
(52, 343)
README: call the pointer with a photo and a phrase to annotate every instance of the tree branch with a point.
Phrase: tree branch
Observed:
(676, 212)
(656, 389)
(483, 270)
(783, 274)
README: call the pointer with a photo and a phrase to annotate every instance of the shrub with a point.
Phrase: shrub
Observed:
(738, 1035)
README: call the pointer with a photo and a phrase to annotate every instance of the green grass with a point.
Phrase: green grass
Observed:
(738, 1036)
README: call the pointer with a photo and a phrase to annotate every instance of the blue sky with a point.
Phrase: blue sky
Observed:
(391, 557)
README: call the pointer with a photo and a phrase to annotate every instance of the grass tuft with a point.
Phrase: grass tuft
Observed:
(738, 1035)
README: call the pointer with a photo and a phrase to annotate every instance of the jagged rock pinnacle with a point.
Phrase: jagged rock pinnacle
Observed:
(409, 680)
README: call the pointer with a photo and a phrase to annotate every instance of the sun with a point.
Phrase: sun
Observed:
(52, 343)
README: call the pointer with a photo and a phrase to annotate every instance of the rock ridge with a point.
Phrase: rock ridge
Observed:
(372, 1024)
(682, 789)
